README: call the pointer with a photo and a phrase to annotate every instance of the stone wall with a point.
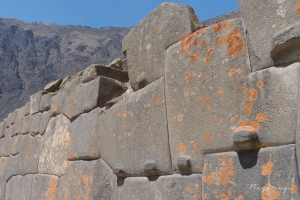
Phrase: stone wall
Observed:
(212, 114)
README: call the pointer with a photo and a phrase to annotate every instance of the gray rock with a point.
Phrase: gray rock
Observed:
(262, 22)
(270, 173)
(35, 102)
(44, 120)
(134, 131)
(57, 103)
(145, 45)
(175, 187)
(93, 180)
(205, 75)
(2, 129)
(45, 102)
(99, 91)
(55, 147)
(73, 99)
(3, 165)
(85, 141)
(12, 167)
(19, 187)
(26, 124)
(18, 124)
(246, 138)
(112, 102)
(6, 145)
(95, 70)
(35, 123)
(29, 154)
(16, 144)
(53, 86)
(44, 187)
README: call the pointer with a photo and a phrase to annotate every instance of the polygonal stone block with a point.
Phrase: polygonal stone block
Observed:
(18, 124)
(94, 71)
(35, 123)
(134, 132)
(44, 187)
(44, 120)
(45, 102)
(268, 173)
(205, 75)
(99, 91)
(85, 141)
(57, 103)
(2, 129)
(145, 45)
(10, 131)
(55, 146)
(3, 166)
(19, 187)
(87, 180)
(29, 154)
(6, 145)
(35, 102)
(73, 99)
(53, 86)
(12, 167)
(263, 21)
(26, 124)
(26, 109)
(16, 143)
(175, 187)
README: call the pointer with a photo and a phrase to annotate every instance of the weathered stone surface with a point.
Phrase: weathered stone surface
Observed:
(35, 102)
(19, 187)
(99, 91)
(285, 45)
(44, 187)
(73, 99)
(57, 103)
(134, 131)
(16, 144)
(45, 102)
(45, 118)
(12, 167)
(95, 70)
(10, 131)
(26, 124)
(18, 124)
(2, 129)
(26, 109)
(145, 45)
(112, 102)
(55, 146)
(270, 173)
(53, 86)
(11, 118)
(29, 154)
(87, 180)
(35, 123)
(173, 187)
(6, 145)
(263, 21)
(85, 141)
(3, 165)
(205, 75)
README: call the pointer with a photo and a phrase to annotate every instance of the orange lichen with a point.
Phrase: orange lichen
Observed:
(248, 109)
(125, 113)
(207, 137)
(210, 52)
(203, 43)
(210, 179)
(266, 169)
(244, 89)
(187, 42)
(253, 24)
(51, 193)
(207, 100)
(221, 91)
(260, 117)
(129, 134)
(92, 150)
(226, 172)
(232, 72)
(54, 107)
(123, 146)
(182, 148)
(208, 116)
(294, 188)
(74, 101)
(270, 193)
(180, 117)
(159, 29)
(162, 74)
(119, 138)
(234, 86)
(189, 190)
(260, 84)
(298, 9)
(232, 119)
(245, 128)
(199, 98)
(220, 120)
(235, 43)
(190, 76)
(278, 102)
(195, 56)
(206, 61)
(204, 169)
(157, 101)
(240, 197)
(71, 175)
(223, 159)
(222, 25)
(195, 43)
(252, 94)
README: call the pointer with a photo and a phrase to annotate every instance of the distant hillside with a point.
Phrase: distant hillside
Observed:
(32, 55)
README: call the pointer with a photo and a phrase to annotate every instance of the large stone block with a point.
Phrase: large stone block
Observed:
(45, 102)
(12, 167)
(44, 187)
(3, 165)
(99, 91)
(175, 187)
(205, 75)
(2, 129)
(87, 180)
(53, 86)
(11, 118)
(269, 173)
(19, 188)
(73, 98)
(35, 102)
(94, 70)
(85, 141)
(35, 123)
(263, 22)
(29, 154)
(44, 120)
(26, 124)
(55, 146)
(145, 45)
(18, 124)
(134, 134)
(16, 144)
(57, 103)
(6, 145)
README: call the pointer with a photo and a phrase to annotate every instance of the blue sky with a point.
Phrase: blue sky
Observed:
(101, 13)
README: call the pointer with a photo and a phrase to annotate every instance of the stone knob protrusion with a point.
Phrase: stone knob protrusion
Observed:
(150, 165)
(245, 137)
(184, 164)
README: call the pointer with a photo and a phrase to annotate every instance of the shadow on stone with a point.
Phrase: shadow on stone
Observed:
(248, 159)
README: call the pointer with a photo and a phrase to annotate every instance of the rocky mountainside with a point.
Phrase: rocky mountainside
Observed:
(32, 55)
